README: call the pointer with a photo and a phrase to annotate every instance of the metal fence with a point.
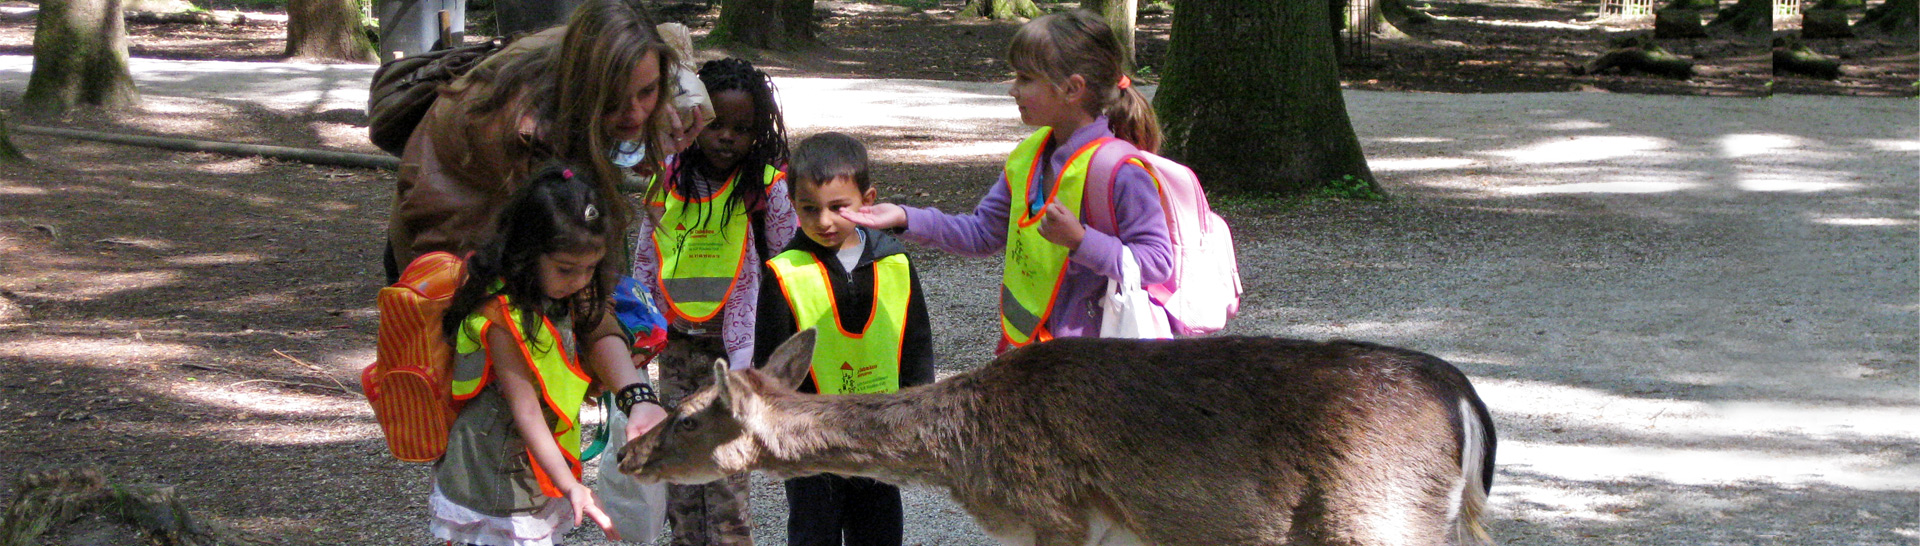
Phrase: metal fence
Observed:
(1355, 41)
(1627, 8)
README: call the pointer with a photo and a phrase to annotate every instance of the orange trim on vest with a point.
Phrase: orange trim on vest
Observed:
(573, 365)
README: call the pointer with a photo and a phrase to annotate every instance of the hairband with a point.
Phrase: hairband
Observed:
(1125, 82)
(592, 213)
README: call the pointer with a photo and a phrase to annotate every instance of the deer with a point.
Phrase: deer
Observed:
(1085, 441)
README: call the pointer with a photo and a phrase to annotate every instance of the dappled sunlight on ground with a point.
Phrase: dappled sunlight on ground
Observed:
(86, 351)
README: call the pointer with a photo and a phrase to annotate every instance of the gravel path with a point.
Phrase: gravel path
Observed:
(1695, 319)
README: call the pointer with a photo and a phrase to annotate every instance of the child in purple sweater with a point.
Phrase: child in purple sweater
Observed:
(1069, 81)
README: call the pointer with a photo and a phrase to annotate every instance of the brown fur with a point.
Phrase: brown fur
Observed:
(1211, 441)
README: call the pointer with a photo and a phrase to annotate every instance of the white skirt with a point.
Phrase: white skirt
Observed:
(461, 525)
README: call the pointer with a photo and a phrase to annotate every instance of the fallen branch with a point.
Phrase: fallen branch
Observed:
(304, 155)
(323, 373)
(290, 384)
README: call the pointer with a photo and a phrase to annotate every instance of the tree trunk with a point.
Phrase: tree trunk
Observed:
(1899, 18)
(796, 16)
(765, 24)
(1120, 16)
(1250, 99)
(1751, 17)
(80, 57)
(511, 16)
(9, 155)
(328, 30)
(1005, 10)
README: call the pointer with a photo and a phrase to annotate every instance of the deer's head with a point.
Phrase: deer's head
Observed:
(709, 435)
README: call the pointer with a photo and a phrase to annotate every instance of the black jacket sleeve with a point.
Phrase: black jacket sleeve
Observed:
(916, 351)
(774, 321)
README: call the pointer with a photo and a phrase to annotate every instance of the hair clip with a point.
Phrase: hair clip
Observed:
(1125, 82)
(593, 213)
(568, 174)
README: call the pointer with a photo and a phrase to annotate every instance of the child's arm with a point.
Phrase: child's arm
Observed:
(916, 349)
(613, 363)
(515, 376)
(982, 233)
(782, 222)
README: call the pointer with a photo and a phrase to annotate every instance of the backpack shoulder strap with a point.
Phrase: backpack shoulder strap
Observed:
(1096, 204)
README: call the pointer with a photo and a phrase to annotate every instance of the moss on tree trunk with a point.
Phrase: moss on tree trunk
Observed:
(1005, 10)
(1791, 56)
(80, 57)
(328, 30)
(1640, 55)
(1750, 17)
(1897, 18)
(1250, 98)
(1120, 16)
(8, 153)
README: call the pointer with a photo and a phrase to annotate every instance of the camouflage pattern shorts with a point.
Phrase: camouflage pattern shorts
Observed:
(711, 514)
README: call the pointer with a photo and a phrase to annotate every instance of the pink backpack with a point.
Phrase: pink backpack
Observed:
(1204, 290)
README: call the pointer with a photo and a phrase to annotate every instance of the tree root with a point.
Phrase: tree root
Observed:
(51, 499)
(1639, 54)
(1790, 56)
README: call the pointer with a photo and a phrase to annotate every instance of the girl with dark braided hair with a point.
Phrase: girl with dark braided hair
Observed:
(713, 214)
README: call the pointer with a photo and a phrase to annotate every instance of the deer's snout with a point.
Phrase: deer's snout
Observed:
(633, 456)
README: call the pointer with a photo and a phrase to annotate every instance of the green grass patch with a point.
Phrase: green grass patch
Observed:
(1350, 187)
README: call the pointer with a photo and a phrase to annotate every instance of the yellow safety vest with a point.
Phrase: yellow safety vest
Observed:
(845, 362)
(1034, 266)
(699, 253)
(563, 384)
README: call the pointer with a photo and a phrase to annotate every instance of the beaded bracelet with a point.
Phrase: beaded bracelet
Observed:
(634, 394)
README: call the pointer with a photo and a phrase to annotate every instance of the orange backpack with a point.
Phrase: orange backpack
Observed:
(410, 383)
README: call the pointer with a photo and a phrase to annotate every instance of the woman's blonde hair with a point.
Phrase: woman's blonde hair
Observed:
(570, 90)
(1060, 45)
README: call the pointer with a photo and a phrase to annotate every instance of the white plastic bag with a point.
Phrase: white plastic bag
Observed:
(1126, 311)
(639, 511)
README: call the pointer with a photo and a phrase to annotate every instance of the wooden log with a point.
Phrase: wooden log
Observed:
(1639, 55)
(1825, 23)
(1791, 56)
(1678, 23)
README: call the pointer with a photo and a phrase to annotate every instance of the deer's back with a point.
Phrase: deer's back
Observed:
(1211, 440)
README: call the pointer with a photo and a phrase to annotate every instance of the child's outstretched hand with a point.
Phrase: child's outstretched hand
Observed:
(1061, 227)
(877, 216)
(645, 416)
(585, 504)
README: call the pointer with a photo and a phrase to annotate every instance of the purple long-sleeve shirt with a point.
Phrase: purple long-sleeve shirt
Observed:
(1137, 214)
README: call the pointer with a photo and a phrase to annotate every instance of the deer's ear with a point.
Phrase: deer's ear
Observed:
(792, 361)
(721, 381)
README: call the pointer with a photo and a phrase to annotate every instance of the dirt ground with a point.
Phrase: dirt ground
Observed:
(195, 319)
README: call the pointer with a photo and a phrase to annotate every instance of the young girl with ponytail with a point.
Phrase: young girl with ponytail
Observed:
(1069, 80)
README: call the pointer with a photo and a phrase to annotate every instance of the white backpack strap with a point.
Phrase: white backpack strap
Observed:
(1096, 202)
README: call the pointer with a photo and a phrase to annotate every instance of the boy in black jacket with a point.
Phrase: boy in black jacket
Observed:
(857, 288)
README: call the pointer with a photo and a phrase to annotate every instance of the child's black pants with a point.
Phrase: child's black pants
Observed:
(821, 507)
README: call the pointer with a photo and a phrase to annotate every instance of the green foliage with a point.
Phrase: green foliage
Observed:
(1350, 187)
(1253, 205)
